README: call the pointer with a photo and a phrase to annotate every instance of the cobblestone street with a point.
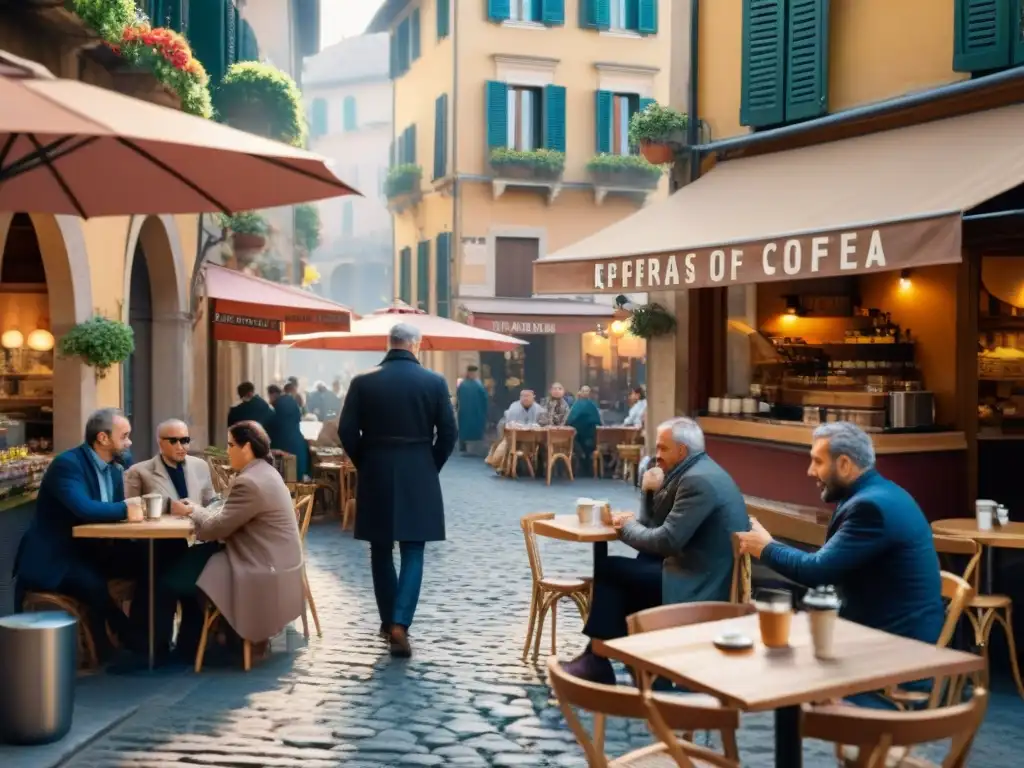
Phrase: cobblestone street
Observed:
(464, 699)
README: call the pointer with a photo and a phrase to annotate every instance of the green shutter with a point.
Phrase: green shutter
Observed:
(443, 18)
(595, 14)
(442, 276)
(552, 12)
(499, 10)
(207, 36)
(554, 117)
(441, 136)
(1017, 30)
(982, 34)
(165, 13)
(403, 47)
(231, 32)
(764, 63)
(497, 114)
(410, 144)
(414, 35)
(806, 59)
(250, 47)
(647, 17)
(405, 275)
(393, 53)
(349, 113)
(318, 117)
(645, 103)
(423, 275)
(603, 121)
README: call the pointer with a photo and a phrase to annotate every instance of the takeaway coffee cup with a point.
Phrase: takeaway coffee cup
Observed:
(153, 505)
(775, 615)
(984, 511)
(822, 606)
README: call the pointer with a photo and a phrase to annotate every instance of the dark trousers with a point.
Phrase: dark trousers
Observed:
(397, 593)
(178, 584)
(86, 583)
(622, 585)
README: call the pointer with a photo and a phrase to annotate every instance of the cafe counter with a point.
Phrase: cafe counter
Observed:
(769, 459)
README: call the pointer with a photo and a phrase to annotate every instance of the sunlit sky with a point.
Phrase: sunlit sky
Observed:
(345, 18)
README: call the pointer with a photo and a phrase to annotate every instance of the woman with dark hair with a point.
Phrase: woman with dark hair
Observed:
(255, 578)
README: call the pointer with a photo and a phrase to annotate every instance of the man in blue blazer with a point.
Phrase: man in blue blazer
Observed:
(82, 485)
(878, 551)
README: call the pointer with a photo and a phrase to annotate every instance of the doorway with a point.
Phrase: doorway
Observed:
(138, 379)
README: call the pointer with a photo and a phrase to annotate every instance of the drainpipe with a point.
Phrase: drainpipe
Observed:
(692, 106)
(455, 249)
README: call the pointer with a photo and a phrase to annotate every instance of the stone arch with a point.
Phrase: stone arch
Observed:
(66, 261)
(167, 361)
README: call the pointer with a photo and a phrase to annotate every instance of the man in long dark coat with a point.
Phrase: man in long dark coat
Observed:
(251, 407)
(284, 431)
(398, 428)
(472, 398)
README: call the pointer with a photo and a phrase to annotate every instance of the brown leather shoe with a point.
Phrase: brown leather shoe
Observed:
(400, 647)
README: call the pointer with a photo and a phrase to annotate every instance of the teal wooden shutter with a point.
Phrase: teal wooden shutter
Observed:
(230, 32)
(318, 117)
(499, 10)
(414, 35)
(982, 32)
(166, 13)
(250, 47)
(423, 275)
(443, 18)
(806, 59)
(403, 46)
(497, 114)
(595, 14)
(645, 103)
(410, 144)
(349, 113)
(405, 275)
(647, 17)
(762, 97)
(552, 12)
(603, 121)
(554, 117)
(393, 53)
(441, 136)
(1017, 30)
(442, 273)
(207, 36)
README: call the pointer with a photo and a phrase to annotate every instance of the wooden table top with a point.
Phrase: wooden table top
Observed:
(568, 528)
(165, 527)
(1009, 536)
(763, 679)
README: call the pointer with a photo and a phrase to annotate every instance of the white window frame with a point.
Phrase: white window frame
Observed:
(617, 15)
(523, 120)
(522, 11)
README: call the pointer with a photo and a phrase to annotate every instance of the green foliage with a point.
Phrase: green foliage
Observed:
(651, 320)
(657, 125)
(543, 162)
(254, 88)
(307, 227)
(245, 223)
(402, 179)
(107, 17)
(99, 342)
(168, 56)
(633, 166)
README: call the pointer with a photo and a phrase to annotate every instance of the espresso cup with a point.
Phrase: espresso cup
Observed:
(775, 615)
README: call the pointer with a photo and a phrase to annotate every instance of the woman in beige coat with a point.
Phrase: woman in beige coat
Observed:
(256, 579)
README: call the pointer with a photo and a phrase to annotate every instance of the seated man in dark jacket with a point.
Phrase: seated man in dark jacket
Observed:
(683, 539)
(878, 551)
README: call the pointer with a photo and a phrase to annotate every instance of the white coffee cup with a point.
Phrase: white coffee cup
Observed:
(1002, 515)
(984, 512)
(822, 606)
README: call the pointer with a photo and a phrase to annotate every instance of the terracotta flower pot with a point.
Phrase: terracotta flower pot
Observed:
(657, 154)
(241, 241)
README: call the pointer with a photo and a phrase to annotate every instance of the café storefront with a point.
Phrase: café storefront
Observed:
(836, 281)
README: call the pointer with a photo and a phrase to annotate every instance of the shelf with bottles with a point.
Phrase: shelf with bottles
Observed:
(21, 472)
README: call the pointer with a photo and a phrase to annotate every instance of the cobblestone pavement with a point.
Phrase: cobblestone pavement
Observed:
(465, 699)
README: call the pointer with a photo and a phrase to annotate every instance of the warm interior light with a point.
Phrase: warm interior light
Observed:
(788, 319)
(12, 339)
(905, 280)
(41, 340)
(792, 305)
(618, 327)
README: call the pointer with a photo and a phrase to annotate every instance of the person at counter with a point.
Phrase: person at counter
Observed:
(637, 408)
(691, 508)
(878, 551)
(85, 485)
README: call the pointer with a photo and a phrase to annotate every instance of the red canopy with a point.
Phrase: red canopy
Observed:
(370, 334)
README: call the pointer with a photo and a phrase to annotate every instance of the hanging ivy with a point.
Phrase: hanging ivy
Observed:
(651, 320)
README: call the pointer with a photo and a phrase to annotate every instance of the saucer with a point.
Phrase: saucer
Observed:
(733, 641)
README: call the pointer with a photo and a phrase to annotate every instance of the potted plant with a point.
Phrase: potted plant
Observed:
(248, 232)
(623, 171)
(307, 227)
(659, 132)
(402, 179)
(107, 17)
(167, 56)
(261, 99)
(99, 342)
(651, 320)
(540, 164)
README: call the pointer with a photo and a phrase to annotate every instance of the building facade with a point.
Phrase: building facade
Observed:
(479, 87)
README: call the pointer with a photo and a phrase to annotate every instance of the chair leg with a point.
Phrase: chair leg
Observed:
(554, 625)
(246, 655)
(208, 619)
(551, 467)
(534, 606)
(541, 615)
(1007, 621)
(312, 605)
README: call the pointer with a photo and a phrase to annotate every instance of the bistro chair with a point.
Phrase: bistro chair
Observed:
(547, 591)
(741, 589)
(349, 481)
(673, 713)
(629, 457)
(876, 738)
(559, 448)
(303, 514)
(210, 617)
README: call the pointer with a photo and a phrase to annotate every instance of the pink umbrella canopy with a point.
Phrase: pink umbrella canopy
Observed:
(67, 147)
(370, 334)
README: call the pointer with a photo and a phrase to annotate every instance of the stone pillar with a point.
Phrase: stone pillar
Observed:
(668, 366)
(172, 366)
(74, 397)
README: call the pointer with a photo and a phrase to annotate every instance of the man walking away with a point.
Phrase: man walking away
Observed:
(472, 398)
(398, 428)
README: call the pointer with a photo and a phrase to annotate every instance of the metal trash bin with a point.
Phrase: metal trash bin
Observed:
(38, 668)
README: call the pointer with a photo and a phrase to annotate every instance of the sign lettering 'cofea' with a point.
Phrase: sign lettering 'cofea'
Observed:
(796, 257)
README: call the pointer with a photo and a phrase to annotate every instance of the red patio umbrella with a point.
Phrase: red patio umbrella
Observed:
(370, 334)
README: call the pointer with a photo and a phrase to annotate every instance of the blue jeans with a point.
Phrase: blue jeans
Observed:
(397, 593)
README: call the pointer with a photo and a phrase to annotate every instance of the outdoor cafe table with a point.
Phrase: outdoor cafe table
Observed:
(569, 528)
(761, 679)
(1009, 536)
(162, 528)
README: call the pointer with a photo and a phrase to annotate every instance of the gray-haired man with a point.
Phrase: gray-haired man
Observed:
(690, 510)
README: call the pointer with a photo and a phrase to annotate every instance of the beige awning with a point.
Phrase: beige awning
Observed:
(884, 201)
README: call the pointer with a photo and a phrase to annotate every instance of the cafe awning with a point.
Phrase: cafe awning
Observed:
(250, 309)
(535, 316)
(885, 201)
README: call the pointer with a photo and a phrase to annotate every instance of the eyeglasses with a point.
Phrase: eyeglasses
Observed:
(176, 440)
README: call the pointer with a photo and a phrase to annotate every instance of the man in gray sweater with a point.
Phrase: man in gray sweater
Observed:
(691, 508)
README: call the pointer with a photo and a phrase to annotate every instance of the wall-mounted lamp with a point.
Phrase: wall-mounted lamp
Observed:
(793, 305)
(619, 327)
(905, 280)
(40, 340)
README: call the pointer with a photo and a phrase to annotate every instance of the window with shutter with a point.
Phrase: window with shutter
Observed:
(496, 104)
(525, 118)
(595, 14)
(414, 35)
(410, 144)
(552, 12)
(647, 17)
(349, 113)
(318, 117)
(1017, 31)
(403, 40)
(250, 45)
(554, 117)
(499, 10)
(444, 8)
(613, 114)
(207, 38)
(983, 34)
(405, 275)
(806, 59)
(603, 121)
(442, 274)
(441, 136)
(423, 275)
(230, 33)
(764, 63)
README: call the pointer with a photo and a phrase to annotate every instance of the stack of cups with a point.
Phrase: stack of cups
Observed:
(822, 605)
(984, 512)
